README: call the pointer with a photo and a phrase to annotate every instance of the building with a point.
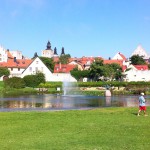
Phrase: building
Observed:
(141, 52)
(3, 54)
(48, 52)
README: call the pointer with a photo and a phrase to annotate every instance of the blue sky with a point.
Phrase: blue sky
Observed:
(82, 27)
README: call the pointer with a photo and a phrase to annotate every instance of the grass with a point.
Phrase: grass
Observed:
(97, 129)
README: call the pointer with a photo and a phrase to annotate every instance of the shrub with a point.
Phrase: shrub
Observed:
(14, 82)
(34, 80)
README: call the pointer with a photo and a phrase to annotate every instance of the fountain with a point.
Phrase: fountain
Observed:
(69, 88)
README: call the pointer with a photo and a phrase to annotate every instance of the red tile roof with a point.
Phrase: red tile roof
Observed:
(141, 67)
(119, 62)
(123, 57)
(20, 63)
(66, 68)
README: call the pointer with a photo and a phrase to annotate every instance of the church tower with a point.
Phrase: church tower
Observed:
(48, 45)
(55, 52)
(48, 52)
(62, 51)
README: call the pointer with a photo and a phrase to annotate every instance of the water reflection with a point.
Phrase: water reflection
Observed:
(59, 102)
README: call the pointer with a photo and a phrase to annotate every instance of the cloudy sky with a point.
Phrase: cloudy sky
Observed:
(82, 27)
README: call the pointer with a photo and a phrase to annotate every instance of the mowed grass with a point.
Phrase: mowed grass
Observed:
(97, 129)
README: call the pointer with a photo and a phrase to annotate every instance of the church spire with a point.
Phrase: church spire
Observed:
(62, 51)
(55, 51)
(48, 45)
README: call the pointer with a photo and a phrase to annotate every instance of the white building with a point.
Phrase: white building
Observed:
(23, 67)
(48, 52)
(17, 54)
(137, 75)
(37, 66)
(141, 52)
(3, 54)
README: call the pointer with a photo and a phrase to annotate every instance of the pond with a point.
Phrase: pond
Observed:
(49, 102)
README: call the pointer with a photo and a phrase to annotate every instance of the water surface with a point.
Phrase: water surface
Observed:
(47, 102)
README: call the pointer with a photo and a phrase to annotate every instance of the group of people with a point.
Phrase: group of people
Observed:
(142, 105)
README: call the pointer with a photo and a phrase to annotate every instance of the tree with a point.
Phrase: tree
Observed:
(102, 71)
(35, 55)
(4, 71)
(117, 70)
(78, 74)
(64, 59)
(40, 77)
(96, 69)
(137, 60)
(34, 80)
(48, 62)
(14, 82)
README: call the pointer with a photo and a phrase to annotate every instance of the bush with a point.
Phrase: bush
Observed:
(34, 80)
(14, 82)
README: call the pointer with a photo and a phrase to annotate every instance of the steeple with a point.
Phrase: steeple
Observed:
(48, 45)
(62, 51)
(55, 51)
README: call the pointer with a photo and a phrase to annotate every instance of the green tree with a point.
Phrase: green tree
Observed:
(40, 77)
(96, 69)
(48, 62)
(117, 71)
(78, 74)
(34, 80)
(64, 59)
(4, 71)
(14, 82)
(102, 71)
(137, 60)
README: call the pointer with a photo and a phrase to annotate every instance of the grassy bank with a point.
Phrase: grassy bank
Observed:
(98, 129)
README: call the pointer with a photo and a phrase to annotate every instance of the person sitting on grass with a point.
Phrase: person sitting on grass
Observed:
(142, 106)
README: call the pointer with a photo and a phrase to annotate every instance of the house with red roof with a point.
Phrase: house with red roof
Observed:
(16, 66)
(137, 73)
(119, 56)
(64, 68)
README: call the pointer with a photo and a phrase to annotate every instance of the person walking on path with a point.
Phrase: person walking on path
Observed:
(142, 105)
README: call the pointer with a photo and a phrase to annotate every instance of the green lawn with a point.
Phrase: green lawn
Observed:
(97, 129)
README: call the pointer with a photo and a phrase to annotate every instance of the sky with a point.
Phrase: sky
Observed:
(83, 27)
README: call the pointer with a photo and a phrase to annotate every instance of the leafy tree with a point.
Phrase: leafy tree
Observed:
(40, 78)
(78, 74)
(30, 80)
(137, 60)
(96, 69)
(117, 71)
(34, 80)
(64, 59)
(48, 62)
(108, 72)
(4, 71)
(105, 71)
(14, 82)
(35, 55)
